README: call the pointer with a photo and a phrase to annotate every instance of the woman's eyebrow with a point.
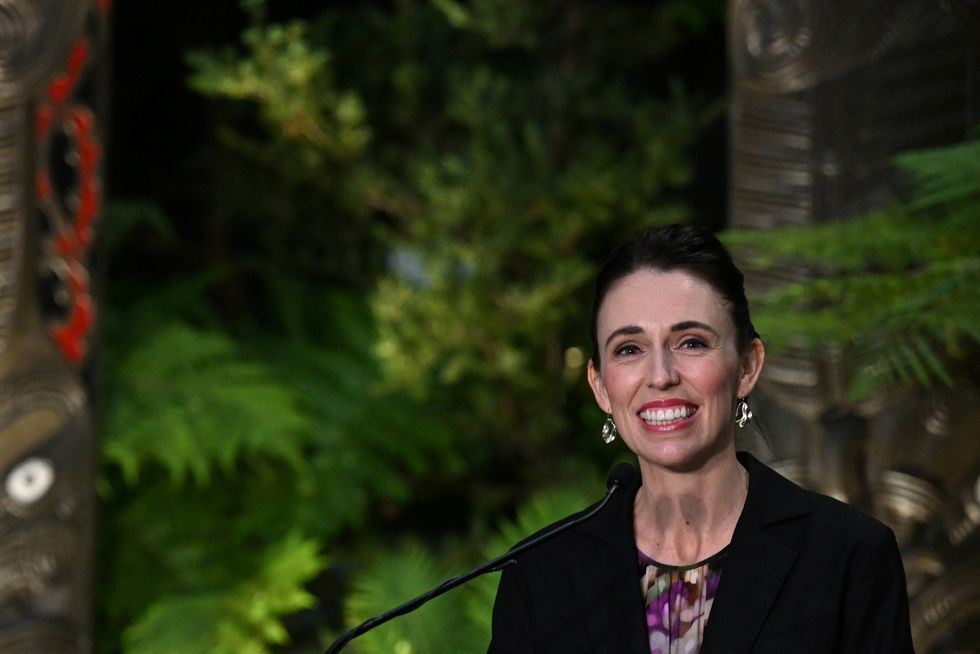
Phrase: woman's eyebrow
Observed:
(628, 330)
(688, 324)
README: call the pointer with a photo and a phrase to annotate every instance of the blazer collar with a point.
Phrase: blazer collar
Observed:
(771, 499)
(617, 620)
(757, 562)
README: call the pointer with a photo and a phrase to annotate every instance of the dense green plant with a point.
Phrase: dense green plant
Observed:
(350, 370)
(896, 291)
(222, 452)
(495, 149)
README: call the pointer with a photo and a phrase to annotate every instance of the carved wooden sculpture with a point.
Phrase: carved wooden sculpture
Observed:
(50, 167)
(824, 93)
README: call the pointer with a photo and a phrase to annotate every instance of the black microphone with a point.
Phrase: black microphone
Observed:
(621, 476)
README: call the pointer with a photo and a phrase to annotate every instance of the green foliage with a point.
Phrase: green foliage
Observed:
(396, 576)
(244, 619)
(946, 180)
(289, 80)
(509, 138)
(214, 441)
(224, 406)
(896, 291)
(458, 621)
(312, 367)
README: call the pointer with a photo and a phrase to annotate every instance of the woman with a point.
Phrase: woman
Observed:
(710, 551)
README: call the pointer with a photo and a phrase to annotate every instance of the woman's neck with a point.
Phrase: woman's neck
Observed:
(681, 518)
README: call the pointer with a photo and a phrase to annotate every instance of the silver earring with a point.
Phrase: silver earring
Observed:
(742, 412)
(609, 431)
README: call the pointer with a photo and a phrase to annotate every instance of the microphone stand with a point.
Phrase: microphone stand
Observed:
(493, 565)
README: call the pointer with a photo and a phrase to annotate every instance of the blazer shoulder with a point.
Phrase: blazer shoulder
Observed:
(839, 517)
(773, 500)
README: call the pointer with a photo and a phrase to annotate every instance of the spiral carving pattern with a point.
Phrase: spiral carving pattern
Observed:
(773, 41)
(784, 46)
(28, 29)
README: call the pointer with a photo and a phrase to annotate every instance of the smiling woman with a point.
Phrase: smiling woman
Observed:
(705, 532)
(671, 371)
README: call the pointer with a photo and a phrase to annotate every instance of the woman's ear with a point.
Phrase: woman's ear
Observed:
(751, 367)
(598, 388)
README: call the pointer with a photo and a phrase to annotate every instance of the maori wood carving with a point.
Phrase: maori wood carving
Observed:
(50, 199)
(824, 93)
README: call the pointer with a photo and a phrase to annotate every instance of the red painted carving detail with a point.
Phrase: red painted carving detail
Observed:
(62, 85)
(72, 222)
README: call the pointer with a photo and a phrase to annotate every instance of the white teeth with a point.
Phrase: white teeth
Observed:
(664, 416)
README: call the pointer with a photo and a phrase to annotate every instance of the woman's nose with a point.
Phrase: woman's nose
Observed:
(660, 370)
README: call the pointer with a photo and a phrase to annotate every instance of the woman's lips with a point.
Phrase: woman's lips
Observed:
(666, 415)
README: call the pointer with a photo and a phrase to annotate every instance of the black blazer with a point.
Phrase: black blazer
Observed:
(804, 573)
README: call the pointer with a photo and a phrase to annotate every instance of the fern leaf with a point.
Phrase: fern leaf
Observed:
(193, 403)
(241, 620)
(934, 363)
(438, 627)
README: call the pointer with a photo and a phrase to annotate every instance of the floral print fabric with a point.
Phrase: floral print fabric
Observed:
(678, 601)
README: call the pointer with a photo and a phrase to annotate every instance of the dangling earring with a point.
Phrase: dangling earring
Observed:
(742, 412)
(609, 430)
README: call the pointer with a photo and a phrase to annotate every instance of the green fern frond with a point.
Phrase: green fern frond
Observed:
(364, 444)
(438, 627)
(890, 239)
(943, 178)
(245, 619)
(908, 326)
(195, 402)
(896, 291)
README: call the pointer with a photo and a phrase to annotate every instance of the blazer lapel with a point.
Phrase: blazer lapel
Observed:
(757, 562)
(610, 584)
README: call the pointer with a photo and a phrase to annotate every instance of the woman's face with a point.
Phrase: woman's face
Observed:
(671, 369)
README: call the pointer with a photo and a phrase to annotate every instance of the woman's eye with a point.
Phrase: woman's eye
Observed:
(693, 344)
(626, 350)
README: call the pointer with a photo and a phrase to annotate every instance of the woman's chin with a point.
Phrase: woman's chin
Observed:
(679, 456)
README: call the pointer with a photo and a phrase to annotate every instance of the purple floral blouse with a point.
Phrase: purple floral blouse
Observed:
(678, 601)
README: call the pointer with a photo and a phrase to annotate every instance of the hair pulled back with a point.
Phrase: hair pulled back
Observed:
(686, 248)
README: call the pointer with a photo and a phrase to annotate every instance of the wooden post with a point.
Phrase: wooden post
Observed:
(824, 93)
(51, 163)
